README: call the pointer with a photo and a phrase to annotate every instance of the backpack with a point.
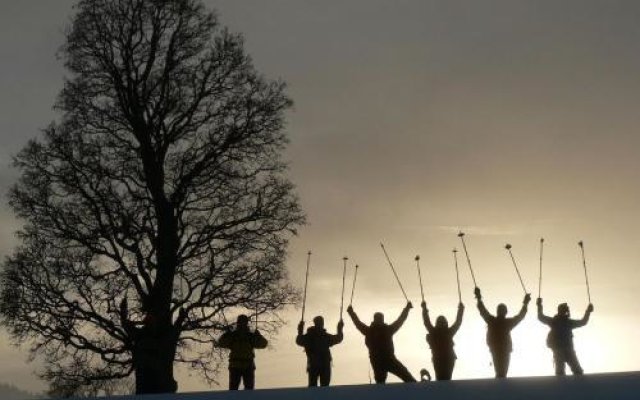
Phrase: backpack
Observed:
(551, 339)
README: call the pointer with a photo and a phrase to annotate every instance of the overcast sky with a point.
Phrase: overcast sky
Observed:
(510, 120)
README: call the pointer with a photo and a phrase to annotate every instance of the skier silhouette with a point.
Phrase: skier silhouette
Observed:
(499, 332)
(242, 342)
(317, 343)
(440, 339)
(560, 337)
(379, 341)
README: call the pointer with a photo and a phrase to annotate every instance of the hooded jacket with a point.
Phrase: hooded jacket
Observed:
(242, 342)
(317, 343)
(379, 336)
(499, 328)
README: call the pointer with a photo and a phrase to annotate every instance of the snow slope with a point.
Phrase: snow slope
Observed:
(618, 386)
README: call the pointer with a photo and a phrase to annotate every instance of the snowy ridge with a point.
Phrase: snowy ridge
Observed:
(618, 386)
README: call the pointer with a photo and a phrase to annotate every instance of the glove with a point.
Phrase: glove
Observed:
(590, 308)
(300, 327)
(460, 306)
(340, 325)
(409, 305)
(423, 305)
(477, 293)
(539, 302)
(527, 298)
(350, 309)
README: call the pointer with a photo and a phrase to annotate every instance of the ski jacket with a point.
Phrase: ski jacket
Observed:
(499, 329)
(241, 344)
(317, 343)
(560, 336)
(379, 336)
(441, 339)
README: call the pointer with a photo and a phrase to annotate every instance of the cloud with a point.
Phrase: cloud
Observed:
(483, 230)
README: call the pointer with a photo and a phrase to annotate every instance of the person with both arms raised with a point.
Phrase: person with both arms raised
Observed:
(499, 332)
(242, 343)
(317, 343)
(560, 337)
(379, 341)
(440, 339)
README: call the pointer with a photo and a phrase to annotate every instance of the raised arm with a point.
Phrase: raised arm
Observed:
(582, 322)
(484, 313)
(225, 339)
(456, 325)
(356, 321)
(541, 317)
(403, 317)
(337, 338)
(523, 311)
(425, 317)
(301, 338)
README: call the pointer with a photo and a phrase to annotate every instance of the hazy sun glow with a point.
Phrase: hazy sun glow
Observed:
(509, 120)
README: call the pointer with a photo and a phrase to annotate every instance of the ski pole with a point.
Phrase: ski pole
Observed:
(455, 258)
(584, 264)
(224, 317)
(306, 281)
(540, 273)
(515, 265)
(464, 246)
(344, 272)
(394, 272)
(256, 315)
(353, 288)
(420, 276)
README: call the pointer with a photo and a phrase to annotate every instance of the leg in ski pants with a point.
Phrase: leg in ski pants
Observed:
(501, 362)
(568, 356)
(381, 368)
(246, 375)
(321, 372)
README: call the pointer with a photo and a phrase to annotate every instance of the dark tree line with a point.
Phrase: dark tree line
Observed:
(158, 201)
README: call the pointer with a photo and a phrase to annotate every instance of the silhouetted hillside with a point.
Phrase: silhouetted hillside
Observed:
(10, 392)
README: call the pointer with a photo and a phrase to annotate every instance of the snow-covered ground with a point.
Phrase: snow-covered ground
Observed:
(618, 386)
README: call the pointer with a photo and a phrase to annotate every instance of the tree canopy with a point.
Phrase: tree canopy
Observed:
(161, 191)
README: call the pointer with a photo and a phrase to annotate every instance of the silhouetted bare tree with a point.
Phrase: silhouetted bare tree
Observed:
(158, 201)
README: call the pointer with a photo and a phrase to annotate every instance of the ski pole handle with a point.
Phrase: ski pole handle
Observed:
(394, 272)
(419, 276)
(584, 264)
(540, 271)
(455, 258)
(306, 281)
(515, 265)
(344, 272)
(466, 252)
(353, 288)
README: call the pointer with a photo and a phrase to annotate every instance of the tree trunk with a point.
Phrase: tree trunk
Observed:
(153, 357)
